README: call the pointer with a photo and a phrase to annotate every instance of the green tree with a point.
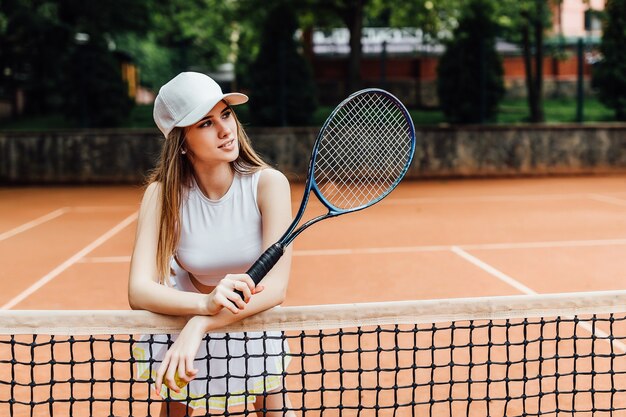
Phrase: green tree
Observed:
(183, 35)
(96, 95)
(198, 32)
(435, 18)
(469, 81)
(26, 65)
(248, 38)
(282, 89)
(157, 63)
(40, 53)
(350, 14)
(610, 73)
(524, 23)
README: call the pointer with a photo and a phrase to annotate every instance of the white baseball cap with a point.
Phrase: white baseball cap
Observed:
(187, 98)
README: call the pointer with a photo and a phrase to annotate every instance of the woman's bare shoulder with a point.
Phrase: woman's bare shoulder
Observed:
(272, 177)
(152, 194)
(273, 187)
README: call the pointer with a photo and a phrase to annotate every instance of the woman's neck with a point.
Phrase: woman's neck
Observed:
(214, 181)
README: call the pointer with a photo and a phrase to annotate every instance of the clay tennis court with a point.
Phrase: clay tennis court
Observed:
(69, 247)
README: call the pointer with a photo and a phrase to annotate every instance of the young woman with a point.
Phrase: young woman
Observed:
(211, 208)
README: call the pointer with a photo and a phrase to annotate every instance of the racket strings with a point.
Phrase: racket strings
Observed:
(367, 172)
(363, 151)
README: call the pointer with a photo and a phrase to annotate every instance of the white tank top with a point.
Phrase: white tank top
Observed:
(220, 237)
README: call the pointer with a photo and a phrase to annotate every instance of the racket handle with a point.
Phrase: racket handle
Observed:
(264, 264)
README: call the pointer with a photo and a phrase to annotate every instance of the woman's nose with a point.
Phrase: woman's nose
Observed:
(223, 129)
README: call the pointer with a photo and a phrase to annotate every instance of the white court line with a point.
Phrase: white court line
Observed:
(69, 262)
(33, 223)
(607, 199)
(369, 251)
(528, 291)
(507, 198)
(486, 198)
(96, 209)
(415, 249)
(105, 259)
(59, 212)
(493, 271)
(477, 246)
(546, 244)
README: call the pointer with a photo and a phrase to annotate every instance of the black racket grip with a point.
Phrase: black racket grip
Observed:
(264, 264)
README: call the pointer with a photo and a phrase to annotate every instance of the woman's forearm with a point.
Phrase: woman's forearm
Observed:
(161, 299)
(270, 297)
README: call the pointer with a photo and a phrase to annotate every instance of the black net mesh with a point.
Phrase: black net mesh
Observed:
(523, 367)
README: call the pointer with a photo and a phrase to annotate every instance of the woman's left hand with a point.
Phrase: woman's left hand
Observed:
(177, 369)
(224, 295)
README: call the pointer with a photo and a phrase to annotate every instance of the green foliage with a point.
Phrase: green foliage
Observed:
(40, 54)
(253, 14)
(282, 89)
(197, 32)
(24, 62)
(470, 73)
(96, 95)
(610, 74)
(514, 15)
(183, 35)
(524, 22)
(157, 63)
(436, 18)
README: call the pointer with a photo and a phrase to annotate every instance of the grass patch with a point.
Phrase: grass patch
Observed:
(556, 111)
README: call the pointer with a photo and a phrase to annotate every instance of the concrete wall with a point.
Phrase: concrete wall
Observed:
(81, 156)
(526, 151)
(125, 156)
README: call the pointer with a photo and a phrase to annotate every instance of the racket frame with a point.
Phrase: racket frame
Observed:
(270, 257)
(311, 184)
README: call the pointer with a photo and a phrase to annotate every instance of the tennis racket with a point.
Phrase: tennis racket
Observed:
(360, 155)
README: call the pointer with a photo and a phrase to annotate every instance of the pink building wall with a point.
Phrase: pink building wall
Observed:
(572, 16)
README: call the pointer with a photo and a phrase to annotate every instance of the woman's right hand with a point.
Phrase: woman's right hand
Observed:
(224, 295)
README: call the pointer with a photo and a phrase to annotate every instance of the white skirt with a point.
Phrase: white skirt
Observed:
(232, 368)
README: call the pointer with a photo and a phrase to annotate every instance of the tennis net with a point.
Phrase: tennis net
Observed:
(551, 355)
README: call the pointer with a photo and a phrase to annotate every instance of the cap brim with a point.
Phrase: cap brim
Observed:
(235, 98)
(200, 111)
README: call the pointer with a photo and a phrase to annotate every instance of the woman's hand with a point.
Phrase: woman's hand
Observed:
(224, 295)
(177, 369)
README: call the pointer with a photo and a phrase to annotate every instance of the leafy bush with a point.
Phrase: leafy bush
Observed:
(609, 75)
(281, 81)
(470, 71)
(96, 95)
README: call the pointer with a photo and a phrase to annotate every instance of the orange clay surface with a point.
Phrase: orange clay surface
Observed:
(69, 247)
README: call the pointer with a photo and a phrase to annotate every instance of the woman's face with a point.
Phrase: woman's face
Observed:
(214, 138)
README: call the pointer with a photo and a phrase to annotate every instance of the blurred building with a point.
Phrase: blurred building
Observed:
(404, 62)
(578, 18)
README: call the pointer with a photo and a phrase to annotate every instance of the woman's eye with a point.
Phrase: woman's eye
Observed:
(226, 115)
(206, 124)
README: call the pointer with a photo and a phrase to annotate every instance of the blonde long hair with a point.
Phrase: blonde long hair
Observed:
(174, 172)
